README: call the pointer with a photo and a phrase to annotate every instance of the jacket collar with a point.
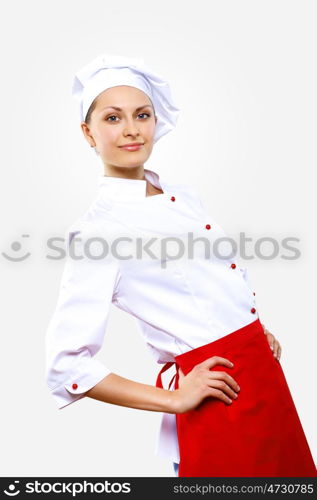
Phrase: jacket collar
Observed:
(123, 189)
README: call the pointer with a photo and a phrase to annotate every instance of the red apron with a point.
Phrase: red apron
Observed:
(259, 434)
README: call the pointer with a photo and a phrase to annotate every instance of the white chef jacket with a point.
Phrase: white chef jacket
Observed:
(180, 301)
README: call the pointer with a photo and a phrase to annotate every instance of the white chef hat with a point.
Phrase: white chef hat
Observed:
(110, 70)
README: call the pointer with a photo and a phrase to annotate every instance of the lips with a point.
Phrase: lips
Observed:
(132, 147)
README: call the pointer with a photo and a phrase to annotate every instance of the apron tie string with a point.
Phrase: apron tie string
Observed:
(164, 368)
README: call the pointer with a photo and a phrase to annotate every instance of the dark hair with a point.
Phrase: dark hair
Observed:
(90, 110)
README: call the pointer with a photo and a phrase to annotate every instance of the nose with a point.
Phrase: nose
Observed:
(131, 128)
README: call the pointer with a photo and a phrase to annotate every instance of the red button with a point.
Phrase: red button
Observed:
(173, 198)
(253, 293)
(208, 226)
(74, 386)
(253, 310)
(233, 266)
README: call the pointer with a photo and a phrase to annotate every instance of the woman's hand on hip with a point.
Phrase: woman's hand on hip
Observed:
(274, 343)
(202, 382)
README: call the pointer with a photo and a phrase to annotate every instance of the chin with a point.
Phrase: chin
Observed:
(134, 161)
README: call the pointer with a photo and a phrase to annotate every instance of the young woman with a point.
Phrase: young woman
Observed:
(230, 412)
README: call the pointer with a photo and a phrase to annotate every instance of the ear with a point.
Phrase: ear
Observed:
(87, 134)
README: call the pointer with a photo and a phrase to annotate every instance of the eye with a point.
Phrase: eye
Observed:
(112, 116)
(148, 114)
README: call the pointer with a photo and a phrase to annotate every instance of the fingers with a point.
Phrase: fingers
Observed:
(215, 393)
(277, 349)
(214, 375)
(222, 386)
(275, 346)
(216, 360)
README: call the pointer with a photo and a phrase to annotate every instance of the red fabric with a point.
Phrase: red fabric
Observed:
(259, 434)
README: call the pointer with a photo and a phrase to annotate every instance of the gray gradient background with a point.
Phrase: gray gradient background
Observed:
(244, 75)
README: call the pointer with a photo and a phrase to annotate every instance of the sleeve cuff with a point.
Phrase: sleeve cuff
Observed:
(83, 378)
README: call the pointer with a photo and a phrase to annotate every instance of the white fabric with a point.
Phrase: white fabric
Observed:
(179, 304)
(109, 70)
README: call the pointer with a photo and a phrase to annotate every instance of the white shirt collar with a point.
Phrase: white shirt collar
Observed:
(123, 189)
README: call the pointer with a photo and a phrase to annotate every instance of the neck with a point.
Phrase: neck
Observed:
(125, 172)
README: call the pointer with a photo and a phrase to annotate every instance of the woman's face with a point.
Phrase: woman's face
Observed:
(111, 128)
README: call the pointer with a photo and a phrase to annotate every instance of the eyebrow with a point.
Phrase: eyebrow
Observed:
(119, 109)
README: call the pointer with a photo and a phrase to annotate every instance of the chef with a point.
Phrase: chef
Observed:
(195, 310)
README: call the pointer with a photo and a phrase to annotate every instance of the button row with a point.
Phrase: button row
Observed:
(233, 266)
(207, 226)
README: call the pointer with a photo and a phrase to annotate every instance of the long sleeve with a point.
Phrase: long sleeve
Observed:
(76, 330)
